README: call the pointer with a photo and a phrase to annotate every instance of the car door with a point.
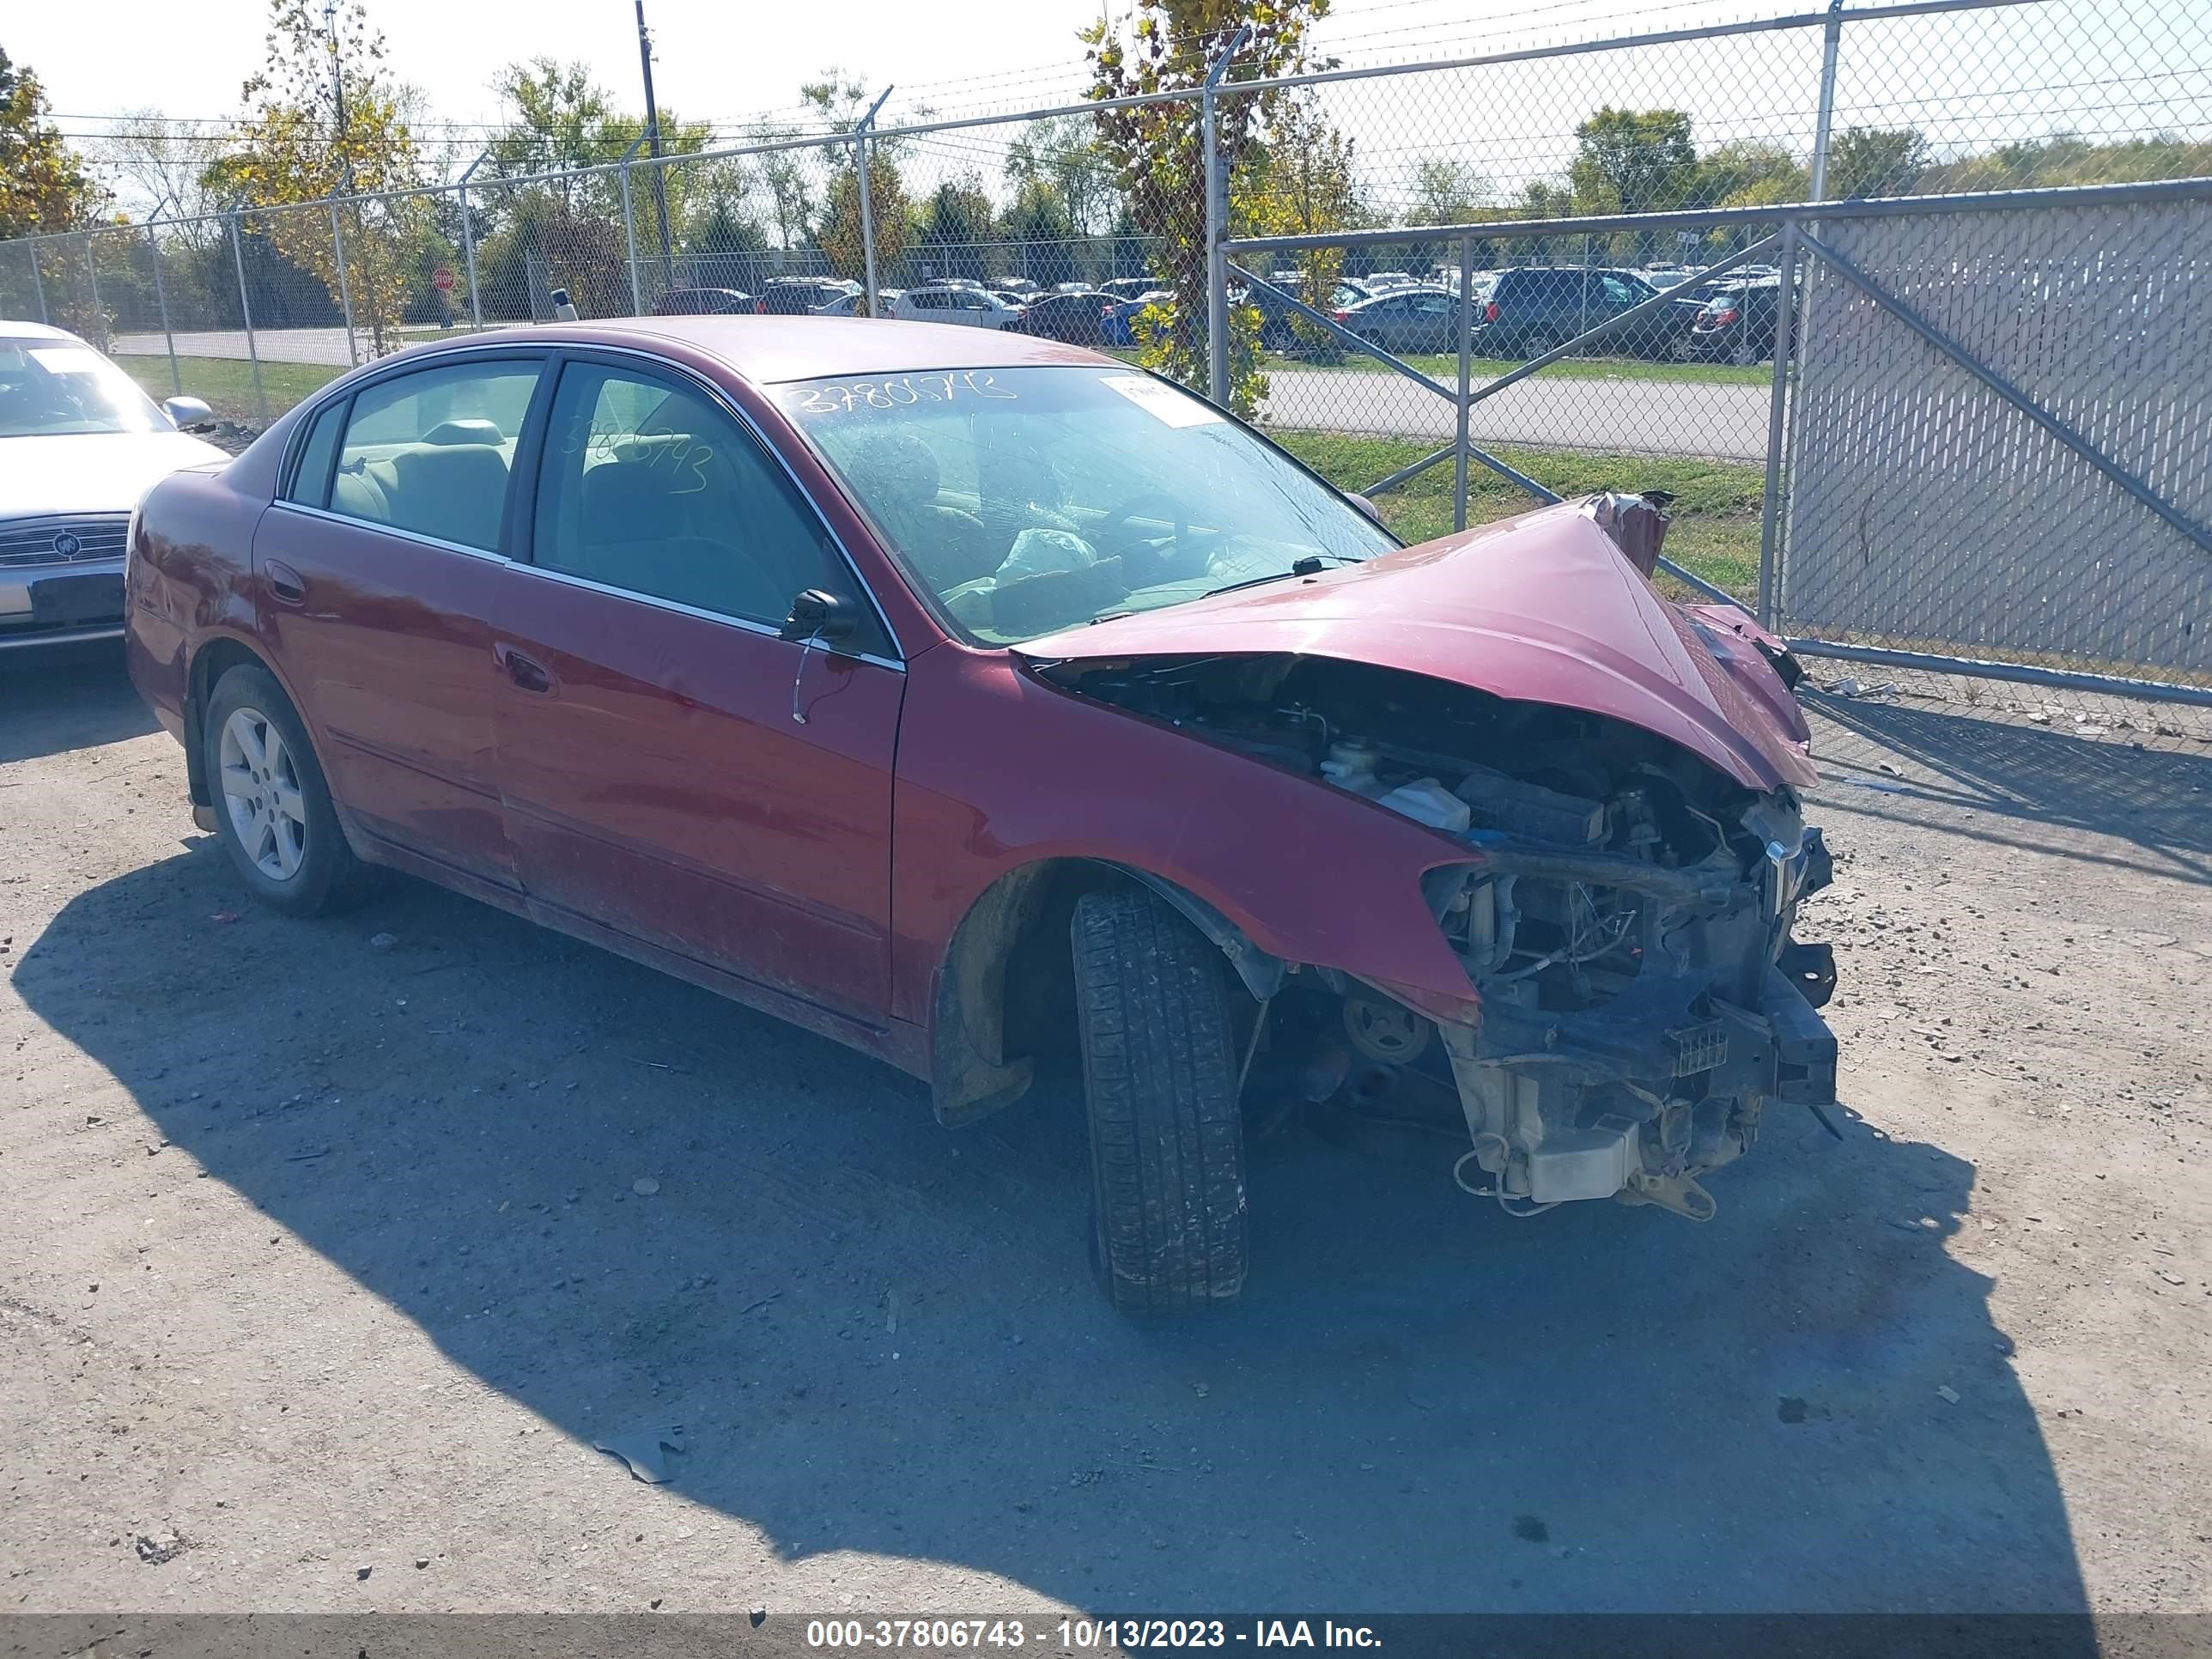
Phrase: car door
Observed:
(673, 771)
(375, 573)
(1429, 323)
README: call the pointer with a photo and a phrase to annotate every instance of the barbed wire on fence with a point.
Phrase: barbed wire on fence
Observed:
(1681, 139)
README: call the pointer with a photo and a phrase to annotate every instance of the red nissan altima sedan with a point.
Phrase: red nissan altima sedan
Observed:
(974, 699)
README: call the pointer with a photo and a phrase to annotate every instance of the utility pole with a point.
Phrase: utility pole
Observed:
(338, 93)
(652, 148)
(345, 175)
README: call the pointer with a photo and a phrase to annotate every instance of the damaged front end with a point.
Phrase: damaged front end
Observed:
(1642, 996)
(1622, 909)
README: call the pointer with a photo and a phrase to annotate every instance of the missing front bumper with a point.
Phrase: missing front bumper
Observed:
(1624, 1103)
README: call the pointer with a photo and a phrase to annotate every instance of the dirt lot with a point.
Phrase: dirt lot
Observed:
(324, 1261)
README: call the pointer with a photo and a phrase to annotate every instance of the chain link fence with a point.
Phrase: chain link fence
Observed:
(1537, 268)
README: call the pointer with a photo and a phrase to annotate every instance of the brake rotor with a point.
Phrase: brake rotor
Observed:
(1383, 1031)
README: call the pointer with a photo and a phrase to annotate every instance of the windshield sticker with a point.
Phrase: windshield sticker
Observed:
(900, 391)
(1164, 402)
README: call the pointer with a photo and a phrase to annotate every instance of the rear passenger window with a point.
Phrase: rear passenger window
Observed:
(311, 479)
(430, 453)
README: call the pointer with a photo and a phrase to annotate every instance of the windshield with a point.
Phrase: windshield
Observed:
(1030, 500)
(55, 387)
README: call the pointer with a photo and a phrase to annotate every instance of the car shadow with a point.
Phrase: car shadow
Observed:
(623, 1203)
(2031, 785)
(62, 697)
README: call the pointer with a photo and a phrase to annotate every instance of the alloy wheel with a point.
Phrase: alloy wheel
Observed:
(261, 793)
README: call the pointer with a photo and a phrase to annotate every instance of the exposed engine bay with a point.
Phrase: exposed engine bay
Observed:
(1625, 916)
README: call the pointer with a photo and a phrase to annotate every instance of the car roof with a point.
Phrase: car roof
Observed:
(769, 350)
(35, 331)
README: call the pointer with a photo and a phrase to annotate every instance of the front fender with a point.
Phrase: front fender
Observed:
(998, 769)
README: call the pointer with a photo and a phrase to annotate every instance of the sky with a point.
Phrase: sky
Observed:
(1968, 80)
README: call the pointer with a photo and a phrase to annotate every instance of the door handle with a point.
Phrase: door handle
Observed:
(286, 585)
(527, 673)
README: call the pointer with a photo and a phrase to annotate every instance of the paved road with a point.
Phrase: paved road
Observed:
(291, 346)
(1625, 416)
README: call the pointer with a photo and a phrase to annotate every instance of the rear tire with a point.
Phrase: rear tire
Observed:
(269, 790)
(1159, 1075)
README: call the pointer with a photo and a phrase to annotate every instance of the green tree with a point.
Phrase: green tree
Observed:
(785, 179)
(839, 232)
(557, 117)
(1876, 162)
(1061, 151)
(842, 101)
(952, 228)
(1160, 163)
(1447, 192)
(44, 186)
(1749, 173)
(293, 149)
(2065, 158)
(1302, 183)
(1631, 160)
(1039, 225)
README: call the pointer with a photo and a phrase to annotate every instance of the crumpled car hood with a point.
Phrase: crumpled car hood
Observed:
(1542, 608)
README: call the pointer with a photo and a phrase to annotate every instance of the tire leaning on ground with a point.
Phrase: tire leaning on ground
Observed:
(272, 808)
(1159, 1076)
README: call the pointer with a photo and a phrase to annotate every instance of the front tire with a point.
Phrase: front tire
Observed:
(272, 806)
(1159, 1075)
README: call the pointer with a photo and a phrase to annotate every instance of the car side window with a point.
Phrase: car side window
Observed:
(311, 478)
(430, 453)
(647, 486)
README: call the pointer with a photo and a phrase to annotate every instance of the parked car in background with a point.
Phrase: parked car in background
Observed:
(1406, 320)
(800, 297)
(989, 707)
(703, 303)
(1074, 318)
(956, 303)
(1279, 332)
(1735, 324)
(1117, 322)
(1532, 308)
(79, 444)
(1132, 288)
(1381, 281)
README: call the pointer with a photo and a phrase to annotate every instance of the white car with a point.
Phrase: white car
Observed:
(79, 444)
(944, 302)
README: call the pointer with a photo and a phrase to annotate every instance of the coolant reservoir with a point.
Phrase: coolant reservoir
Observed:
(1429, 801)
(1350, 765)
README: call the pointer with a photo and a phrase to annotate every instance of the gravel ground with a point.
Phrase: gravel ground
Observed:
(330, 1247)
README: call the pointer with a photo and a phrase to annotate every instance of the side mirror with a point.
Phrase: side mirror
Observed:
(1367, 506)
(821, 617)
(187, 411)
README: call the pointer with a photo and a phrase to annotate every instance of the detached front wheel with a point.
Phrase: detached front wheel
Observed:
(1159, 1074)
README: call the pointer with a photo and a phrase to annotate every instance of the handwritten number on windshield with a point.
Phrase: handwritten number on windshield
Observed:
(901, 392)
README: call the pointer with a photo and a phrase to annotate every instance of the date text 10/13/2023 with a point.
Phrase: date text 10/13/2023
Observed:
(1083, 1635)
